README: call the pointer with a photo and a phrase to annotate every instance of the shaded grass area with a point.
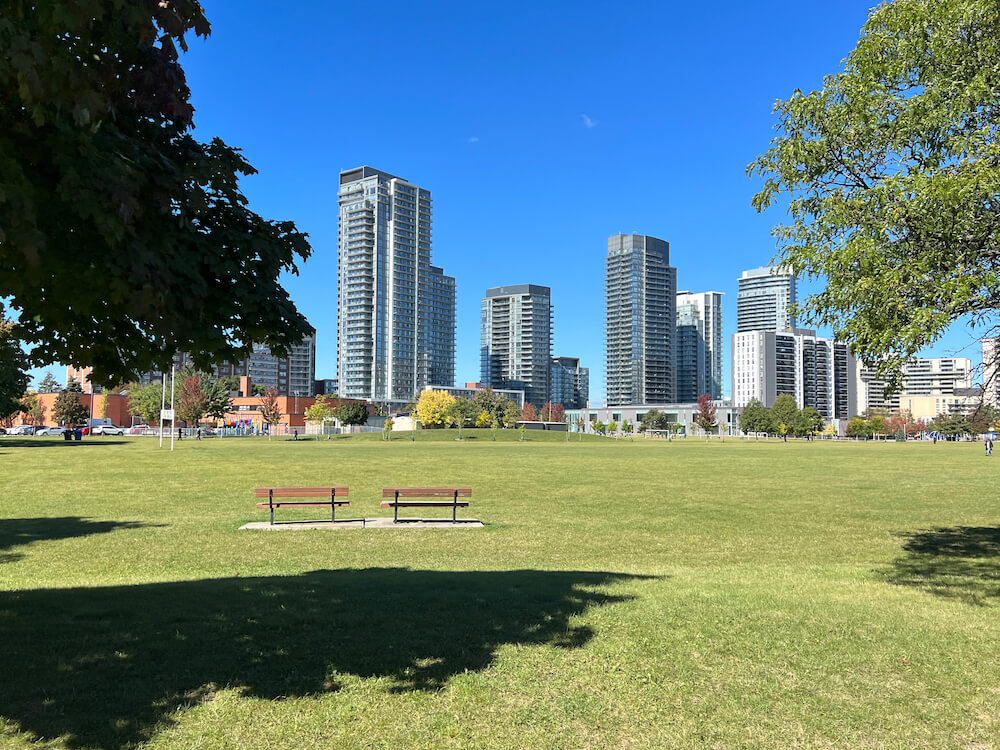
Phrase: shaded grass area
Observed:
(623, 594)
(962, 562)
(167, 645)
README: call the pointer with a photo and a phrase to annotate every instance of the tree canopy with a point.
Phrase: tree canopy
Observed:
(352, 412)
(68, 410)
(145, 401)
(892, 176)
(13, 378)
(432, 407)
(123, 239)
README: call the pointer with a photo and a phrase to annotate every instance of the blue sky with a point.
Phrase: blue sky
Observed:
(539, 128)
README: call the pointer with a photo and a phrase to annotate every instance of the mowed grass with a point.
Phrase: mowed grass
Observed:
(623, 595)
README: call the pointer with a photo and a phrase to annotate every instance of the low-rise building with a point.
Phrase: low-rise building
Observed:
(726, 416)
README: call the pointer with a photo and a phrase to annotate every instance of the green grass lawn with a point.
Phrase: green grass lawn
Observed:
(622, 595)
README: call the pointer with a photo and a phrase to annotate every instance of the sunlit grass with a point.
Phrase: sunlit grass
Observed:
(623, 594)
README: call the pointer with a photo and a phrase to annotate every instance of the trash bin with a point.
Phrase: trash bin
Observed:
(78, 434)
(67, 435)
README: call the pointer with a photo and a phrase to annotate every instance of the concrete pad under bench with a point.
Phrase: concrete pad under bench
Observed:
(370, 523)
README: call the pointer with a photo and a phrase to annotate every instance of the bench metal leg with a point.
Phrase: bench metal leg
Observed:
(395, 509)
(333, 506)
(270, 501)
(454, 508)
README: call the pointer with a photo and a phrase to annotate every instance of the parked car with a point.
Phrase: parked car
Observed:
(49, 431)
(22, 429)
(83, 428)
(141, 429)
(107, 429)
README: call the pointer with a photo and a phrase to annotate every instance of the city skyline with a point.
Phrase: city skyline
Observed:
(531, 158)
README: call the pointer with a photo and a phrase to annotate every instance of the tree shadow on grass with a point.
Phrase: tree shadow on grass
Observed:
(106, 667)
(959, 562)
(47, 442)
(23, 532)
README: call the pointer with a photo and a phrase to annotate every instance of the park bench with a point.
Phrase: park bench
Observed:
(417, 497)
(333, 497)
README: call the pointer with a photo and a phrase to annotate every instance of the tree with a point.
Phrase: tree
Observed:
(73, 385)
(459, 413)
(14, 378)
(432, 407)
(32, 408)
(552, 412)
(626, 427)
(68, 411)
(784, 414)
(876, 425)
(270, 412)
(950, 425)
(613, 427)
(228, 383)
(192, 401)
(756, 418)
(528, 413)
(325, 407)
(218, 402)
(856, 427)
(704, 417)
(49, 384)
(484, 419)
(107, 199)
(891, 174)
(982, 418)
(510, 414)
(352, 412)
(144, 401)
(387, 428)
(654, 419)
(489, 401)
(809, 422)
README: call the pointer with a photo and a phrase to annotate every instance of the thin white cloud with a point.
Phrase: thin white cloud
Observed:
(589, 122)
(474, 139)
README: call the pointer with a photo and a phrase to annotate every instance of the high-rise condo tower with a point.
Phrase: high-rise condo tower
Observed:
(516, 340)
(764, 298)
(641, 291)
(396, 312)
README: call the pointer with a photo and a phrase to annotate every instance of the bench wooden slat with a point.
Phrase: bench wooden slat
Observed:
(426, 491)
(305, 504)
(300, 491)
(424, 504)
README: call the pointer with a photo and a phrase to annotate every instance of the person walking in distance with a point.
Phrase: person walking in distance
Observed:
(989, 446)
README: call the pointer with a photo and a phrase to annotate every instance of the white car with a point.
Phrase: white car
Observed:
(50, 431)
(22, 429)
(107, 429)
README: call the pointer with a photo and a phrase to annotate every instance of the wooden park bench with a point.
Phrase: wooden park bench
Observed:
(417, 497)
(332, 497)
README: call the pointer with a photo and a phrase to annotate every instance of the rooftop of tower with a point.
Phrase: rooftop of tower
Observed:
(360, 173)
